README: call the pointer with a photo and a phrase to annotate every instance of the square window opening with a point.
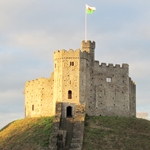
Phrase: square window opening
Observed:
(108, 79)
(71, 63)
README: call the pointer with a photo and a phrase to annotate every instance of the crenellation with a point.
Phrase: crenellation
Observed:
(97, 62)
(125, 66)
(117, 66)
(96, 65)
(103, 64)
(71, 50)
(70, 54)
(110, 65)
(57, 51)
(88, 44)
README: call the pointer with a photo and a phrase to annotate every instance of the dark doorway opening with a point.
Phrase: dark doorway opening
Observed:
(69, 112)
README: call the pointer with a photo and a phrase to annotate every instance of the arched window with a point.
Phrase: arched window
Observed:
(69, 94)
(69, 112)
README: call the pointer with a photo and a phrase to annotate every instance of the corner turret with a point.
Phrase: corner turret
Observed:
(89, 47)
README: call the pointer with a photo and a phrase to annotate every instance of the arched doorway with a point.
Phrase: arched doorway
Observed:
(69, 112)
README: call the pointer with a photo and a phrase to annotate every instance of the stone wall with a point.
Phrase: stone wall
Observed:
(84, 88)
(110, 94)
(132, 96)
(64, 109)
(39, 98)
(86, 72)
(67, 133)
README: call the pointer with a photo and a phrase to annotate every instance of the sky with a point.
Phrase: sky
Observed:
(31, 30)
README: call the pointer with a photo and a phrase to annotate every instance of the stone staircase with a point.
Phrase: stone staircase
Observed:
(67, 125)
(55, 129)
(78, 129)
(67, 133)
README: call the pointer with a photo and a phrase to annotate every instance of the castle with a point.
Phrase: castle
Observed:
(78, 79)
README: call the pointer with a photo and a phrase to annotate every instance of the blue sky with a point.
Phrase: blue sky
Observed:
(31, 30)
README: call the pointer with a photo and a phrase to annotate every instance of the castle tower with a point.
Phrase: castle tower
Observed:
(66, 76)
(89, 47)
(86, 71)
(72, 74)
(87, 74)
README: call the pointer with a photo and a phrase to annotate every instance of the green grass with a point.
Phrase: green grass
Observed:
(26, 134)
(101, 133)
(116, 133)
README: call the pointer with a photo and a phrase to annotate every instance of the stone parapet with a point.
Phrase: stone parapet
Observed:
(110, 65)
(64, 54)
(88, 44)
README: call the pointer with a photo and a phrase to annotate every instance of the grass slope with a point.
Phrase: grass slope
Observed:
(101, 133)
(26, 134)
(116, 133)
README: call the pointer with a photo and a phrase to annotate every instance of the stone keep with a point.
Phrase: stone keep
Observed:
(104, 90)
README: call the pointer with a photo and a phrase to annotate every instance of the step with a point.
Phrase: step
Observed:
(75, 145)
(75, 149)
(77, 140)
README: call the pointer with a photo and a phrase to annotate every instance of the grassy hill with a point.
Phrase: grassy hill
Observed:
(26, 134)
(116, 133)
(101, 133)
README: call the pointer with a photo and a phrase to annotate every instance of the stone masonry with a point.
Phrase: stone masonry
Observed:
(79, 79)
(79, 85)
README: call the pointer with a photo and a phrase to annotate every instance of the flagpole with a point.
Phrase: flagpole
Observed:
(88, 10)
(85, 24)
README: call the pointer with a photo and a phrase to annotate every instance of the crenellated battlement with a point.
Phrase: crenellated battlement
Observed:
(88, 44)
(38, 81)
(71, 54)
(110, 65)
(64, 54)
(111, 68)
(62, 51)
